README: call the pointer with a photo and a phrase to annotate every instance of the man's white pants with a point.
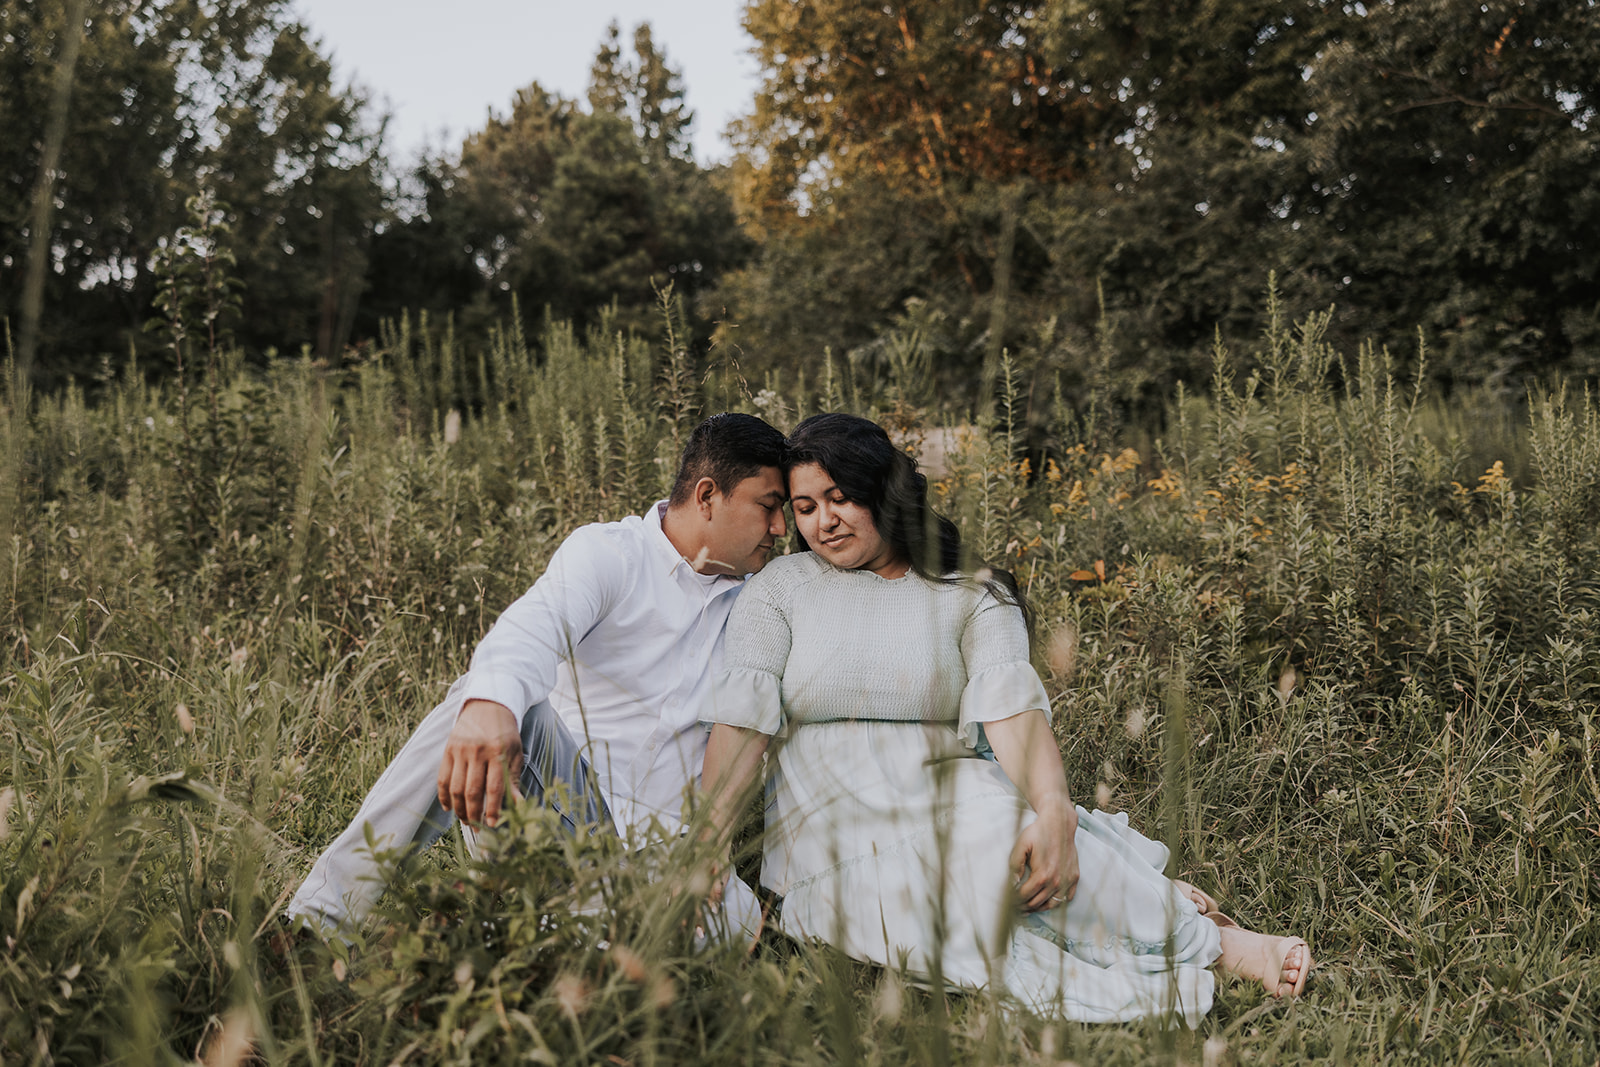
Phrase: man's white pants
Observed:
(402, 812)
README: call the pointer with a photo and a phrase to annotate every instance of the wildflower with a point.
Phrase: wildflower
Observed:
(1286, 682)
(185, 720)
(8, 797)
(237, 657)
(452, 427)
(463, 973)
(1167, 485)
(1214, 1052)
(1494, 479)
(1102, 795)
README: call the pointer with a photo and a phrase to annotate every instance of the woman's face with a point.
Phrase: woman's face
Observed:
(840, 531)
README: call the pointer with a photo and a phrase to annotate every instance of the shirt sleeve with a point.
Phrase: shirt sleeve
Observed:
(515, 663)
(748, 691)
(1001, 681)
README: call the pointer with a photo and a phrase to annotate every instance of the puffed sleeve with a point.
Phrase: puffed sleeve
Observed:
(747, 691)
(1001, 682)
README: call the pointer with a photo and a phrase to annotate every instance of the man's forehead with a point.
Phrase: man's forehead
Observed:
(768, 481)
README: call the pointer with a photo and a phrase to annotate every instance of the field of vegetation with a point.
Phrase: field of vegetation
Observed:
(1332, 636)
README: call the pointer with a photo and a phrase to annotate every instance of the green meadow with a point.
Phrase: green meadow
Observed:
(1330, 634)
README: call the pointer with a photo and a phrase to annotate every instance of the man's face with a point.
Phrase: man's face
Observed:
(744, 524)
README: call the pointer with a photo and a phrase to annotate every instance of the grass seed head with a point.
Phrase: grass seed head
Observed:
(629, 965)
(1063, 653)
(8, 797)
(1286, 682)
(233, 1041)
(663, 993)
(890, 1000)
(185, 720)
(572, 994)
(1136, 721)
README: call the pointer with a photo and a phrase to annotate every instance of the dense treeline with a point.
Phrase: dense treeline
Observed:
(1094, 186)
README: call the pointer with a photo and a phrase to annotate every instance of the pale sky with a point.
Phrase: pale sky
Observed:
(441, 67)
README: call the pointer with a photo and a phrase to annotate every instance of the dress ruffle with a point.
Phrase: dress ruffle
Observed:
(999, 693)
(747, 698)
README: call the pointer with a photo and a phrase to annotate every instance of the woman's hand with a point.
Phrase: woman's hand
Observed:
(1047, 851)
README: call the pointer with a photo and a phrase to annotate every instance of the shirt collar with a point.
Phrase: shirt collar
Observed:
(667, 557)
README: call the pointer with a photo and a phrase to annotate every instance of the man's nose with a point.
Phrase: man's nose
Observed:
(779, 526)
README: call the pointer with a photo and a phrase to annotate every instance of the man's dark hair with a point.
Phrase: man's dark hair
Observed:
(727, 448)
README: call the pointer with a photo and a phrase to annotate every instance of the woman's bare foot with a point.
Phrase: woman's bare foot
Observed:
(1280, 964)
(1204, 901)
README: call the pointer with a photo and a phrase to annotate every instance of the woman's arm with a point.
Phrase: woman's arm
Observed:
(1027, 752)
(732, 765)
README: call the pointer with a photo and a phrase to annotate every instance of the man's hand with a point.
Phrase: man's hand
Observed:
(483, 750)
(1047, 850)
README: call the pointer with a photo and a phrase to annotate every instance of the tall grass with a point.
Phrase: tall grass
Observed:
(1374, 612)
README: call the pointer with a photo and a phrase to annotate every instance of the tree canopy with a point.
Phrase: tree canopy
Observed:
(1414, 164)
(169, 99)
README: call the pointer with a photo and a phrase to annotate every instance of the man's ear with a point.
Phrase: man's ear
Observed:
(704, 490)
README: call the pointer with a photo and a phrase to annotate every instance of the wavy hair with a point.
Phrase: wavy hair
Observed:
(869, 470)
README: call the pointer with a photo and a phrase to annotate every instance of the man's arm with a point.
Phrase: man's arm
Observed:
(514, 667)
(482, 754)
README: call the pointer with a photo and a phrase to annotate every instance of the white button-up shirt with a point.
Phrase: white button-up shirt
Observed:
(623, 637)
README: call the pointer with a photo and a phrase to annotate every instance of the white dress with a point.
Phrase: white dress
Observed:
(889, 834)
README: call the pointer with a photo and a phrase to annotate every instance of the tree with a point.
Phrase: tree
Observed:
(1454, 156)
(1030, 152)
(948, 116)
(571, 211)
(171, 99)
(303, 171)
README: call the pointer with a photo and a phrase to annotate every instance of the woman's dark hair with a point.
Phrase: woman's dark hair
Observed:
(869, 470)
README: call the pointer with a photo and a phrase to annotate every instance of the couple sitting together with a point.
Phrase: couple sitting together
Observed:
(918, 812)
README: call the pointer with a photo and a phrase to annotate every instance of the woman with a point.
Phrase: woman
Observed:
(918, 812)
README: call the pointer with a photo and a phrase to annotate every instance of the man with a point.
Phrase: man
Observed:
(594, 677)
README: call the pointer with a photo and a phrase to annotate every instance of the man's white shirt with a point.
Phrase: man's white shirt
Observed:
(623, 637)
